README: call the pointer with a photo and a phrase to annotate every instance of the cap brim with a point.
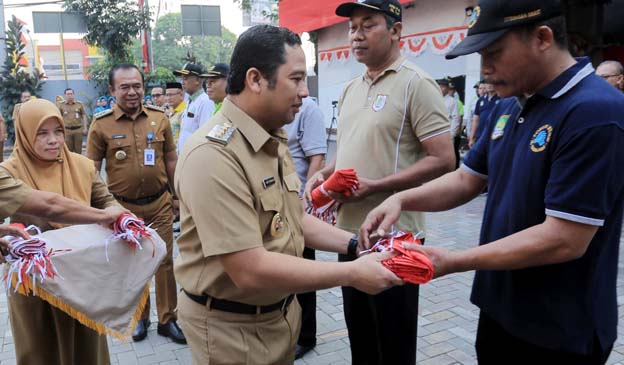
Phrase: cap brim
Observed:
(475, 43)
(345, 9)
(214, 75)
(180, 72)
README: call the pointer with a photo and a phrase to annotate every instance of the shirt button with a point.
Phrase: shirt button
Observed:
(521, 120)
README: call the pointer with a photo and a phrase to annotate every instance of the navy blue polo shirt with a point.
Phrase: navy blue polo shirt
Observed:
(483, 109)
(558, 153)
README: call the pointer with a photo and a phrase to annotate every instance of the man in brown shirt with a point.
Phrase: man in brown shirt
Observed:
(243, 225)
(75, 119)
(137, 143)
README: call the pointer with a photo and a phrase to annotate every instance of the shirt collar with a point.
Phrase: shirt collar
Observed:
(196, 95)
(119, 114)
(394, 67)
(180, 107)
(568, 79)
(249, 128)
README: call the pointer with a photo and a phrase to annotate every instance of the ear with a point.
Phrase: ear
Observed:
(545, 37)
(254, 80)
(396, 30)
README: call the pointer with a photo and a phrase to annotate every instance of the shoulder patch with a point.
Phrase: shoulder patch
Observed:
(103, 113)
(154, 107)
(221, 133)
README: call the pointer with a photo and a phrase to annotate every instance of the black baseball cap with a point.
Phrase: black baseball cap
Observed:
(443, 82)
(218, 70)
(492, 19)
(194, 69)
(390, 7)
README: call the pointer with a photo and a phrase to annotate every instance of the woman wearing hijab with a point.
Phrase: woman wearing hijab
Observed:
(100, 104)
(42, 333)
(111, 102)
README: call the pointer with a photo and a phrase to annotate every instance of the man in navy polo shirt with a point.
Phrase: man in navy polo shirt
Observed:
(482, 111)
(552, 156)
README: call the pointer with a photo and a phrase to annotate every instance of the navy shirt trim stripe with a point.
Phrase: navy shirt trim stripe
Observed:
(473, 172)
(575, 218)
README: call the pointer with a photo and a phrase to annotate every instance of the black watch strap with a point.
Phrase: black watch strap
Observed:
(353, 245)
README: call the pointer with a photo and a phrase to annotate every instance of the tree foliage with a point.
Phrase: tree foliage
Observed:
(170, 48)
(272, 14)
(14, 77)
(112, 25)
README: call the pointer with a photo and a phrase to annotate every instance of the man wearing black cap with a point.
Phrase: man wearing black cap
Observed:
(453, 114)
(198, 106)
(174, 96)
(548, 256)
(216, 83)
(394, 131)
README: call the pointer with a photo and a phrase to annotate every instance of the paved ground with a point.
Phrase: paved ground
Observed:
(447, 320)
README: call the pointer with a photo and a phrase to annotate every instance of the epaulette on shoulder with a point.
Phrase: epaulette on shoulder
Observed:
(102, 114)
(154, 107)
(221, 133)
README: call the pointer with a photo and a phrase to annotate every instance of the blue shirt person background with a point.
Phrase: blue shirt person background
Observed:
(307, 142)
(546, 265)
(482, 111)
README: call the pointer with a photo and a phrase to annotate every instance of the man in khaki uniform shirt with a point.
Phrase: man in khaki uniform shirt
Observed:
(243, 226)
(394, 131)
(137, 143)
(75, 119)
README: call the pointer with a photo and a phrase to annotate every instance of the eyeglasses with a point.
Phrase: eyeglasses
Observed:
(609, 76)
(156, 95)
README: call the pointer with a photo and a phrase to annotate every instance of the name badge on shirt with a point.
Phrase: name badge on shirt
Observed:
(149, 157)
(77, 115)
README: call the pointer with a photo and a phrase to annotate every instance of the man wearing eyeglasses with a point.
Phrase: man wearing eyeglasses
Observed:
(158, 96)
(613, 73)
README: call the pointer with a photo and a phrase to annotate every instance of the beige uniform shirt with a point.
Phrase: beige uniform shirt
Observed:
(13, 194)
(122, 141)
(371, 116)
(72, 113)
(230, 196)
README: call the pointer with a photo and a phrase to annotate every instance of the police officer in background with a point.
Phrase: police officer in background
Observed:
(198, 106)
(243, 226)
(137, 143)
(216, 81)
(75, 119)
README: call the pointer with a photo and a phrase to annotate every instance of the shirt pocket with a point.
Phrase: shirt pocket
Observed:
(120, 150)
(292, 182)
(273, 221)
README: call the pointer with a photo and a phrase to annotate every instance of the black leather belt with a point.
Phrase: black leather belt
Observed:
(240, 308)
(74, 127)
(143, 201)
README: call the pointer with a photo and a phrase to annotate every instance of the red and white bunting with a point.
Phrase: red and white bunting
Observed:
(439, 42)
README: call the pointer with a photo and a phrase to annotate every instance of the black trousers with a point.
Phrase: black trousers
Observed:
(383, 327)
(307, 336)
(496, 346)
(456, 143)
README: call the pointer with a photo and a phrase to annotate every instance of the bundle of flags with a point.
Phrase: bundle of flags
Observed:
(30, 262)
(409, 265)
(323, 205)
(131, 230)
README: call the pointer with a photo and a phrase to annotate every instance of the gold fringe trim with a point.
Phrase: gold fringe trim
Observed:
(26, 289)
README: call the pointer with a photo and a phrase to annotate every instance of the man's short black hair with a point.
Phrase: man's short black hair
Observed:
(123, 66)
(69, 89)
(262, 47)
(556, 24)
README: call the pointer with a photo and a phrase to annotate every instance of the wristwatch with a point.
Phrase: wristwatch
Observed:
(352, 246)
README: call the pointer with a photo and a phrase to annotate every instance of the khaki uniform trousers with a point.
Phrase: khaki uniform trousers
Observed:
(73, 139)
(45, 335)
(159, 214)
(222, 338)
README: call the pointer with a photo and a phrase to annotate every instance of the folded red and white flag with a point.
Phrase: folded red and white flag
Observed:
(323, 205)
(409, 265)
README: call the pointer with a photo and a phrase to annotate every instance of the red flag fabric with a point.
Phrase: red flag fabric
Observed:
(323, 206)
(409, 265)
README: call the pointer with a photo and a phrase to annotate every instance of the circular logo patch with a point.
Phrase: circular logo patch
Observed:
(474, 17)
(541, 137)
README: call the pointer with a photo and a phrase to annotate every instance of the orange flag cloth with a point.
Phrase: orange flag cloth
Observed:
(411, 266)
(323, 206)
